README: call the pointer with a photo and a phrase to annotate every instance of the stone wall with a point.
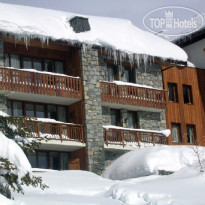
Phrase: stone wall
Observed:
(110, 156)
(93, 111)
(151, 75)
(151, 120)
(106, 120)
(1, 52)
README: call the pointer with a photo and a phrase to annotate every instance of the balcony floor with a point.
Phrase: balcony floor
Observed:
(66, 146)
(38, 98)
(131, 107)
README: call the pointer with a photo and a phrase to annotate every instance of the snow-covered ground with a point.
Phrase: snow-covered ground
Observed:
(185, 187)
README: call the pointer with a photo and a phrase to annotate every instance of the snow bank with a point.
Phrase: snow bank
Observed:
(5, 201)
(112, 33)
(149, 160)
(10, 150)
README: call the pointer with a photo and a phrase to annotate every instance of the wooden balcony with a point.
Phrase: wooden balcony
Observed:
(123, 137)
(131, 95)
(57, 131)
(19, 80)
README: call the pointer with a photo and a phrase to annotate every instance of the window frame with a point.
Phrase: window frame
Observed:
(42, 60)
(114, 68)
(117, 115)
(190, 95)
(179, 132)
(35, 104)
(48, 163)
(175, 92)
(194, 137)
(134, 113)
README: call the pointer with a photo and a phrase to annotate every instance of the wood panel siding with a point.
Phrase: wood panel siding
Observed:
(57, 131)
(76, 113)
(179, 112)
(70, 55)
(78, 159)
(123, 137)
(131, 95)
(39, 83)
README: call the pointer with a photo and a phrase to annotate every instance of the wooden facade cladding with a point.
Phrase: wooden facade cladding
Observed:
(180, 112)
(19, 80)
(57, 131)
(123, 137)
(131, 95)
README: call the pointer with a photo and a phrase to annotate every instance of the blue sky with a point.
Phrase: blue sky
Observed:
(133, 10)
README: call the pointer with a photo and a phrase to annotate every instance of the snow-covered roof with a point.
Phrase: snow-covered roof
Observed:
(110, 33)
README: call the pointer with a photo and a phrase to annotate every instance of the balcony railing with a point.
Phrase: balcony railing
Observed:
(19, 80)
(131, 95)
(123, 137)
(57, 131)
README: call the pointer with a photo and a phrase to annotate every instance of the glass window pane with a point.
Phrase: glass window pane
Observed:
(15, 62)
(27, 63)
(59, 67)
(52, 112)
(174, 133)
(30, 110)
(42, 160)
(127, 75)
(110, 74)
(171, 93)
(6, 56)
(115, 117)
(131, 120)
(9, 107)
(17, 109)
(62, 114)
(54, 158)
(37, 64)
(32, 160)
(40, 112)
(49, 66)
(64, 161)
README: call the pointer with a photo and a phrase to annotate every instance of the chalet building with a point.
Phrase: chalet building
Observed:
(94, 85)
(185, 113)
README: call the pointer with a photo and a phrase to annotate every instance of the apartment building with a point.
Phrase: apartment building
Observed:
(96, 91)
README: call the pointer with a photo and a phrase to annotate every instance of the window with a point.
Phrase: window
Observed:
(187, 92)
(132, 120)
(173, 94)
(18, 108)
(115, 117)
(176, 132)
(27, 63)
(112, 73)
(191, 134)
(29, 110)
(129, 75)
(34, 63)
(12, 60)
(40, 111)
(49, 160)
(52, 113)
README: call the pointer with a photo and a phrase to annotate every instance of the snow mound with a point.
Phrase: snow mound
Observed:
(112, 33)
(11, 151)
(149, 161)
(5, 201)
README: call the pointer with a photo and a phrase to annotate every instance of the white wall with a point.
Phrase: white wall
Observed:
(196, 53)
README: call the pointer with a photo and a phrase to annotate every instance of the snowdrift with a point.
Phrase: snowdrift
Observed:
(111, 33)
(150, 160)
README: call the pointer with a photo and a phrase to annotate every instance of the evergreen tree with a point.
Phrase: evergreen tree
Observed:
(21, 131)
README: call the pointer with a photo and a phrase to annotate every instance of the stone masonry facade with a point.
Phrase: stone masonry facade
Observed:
(94, 69)
(93, 111)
